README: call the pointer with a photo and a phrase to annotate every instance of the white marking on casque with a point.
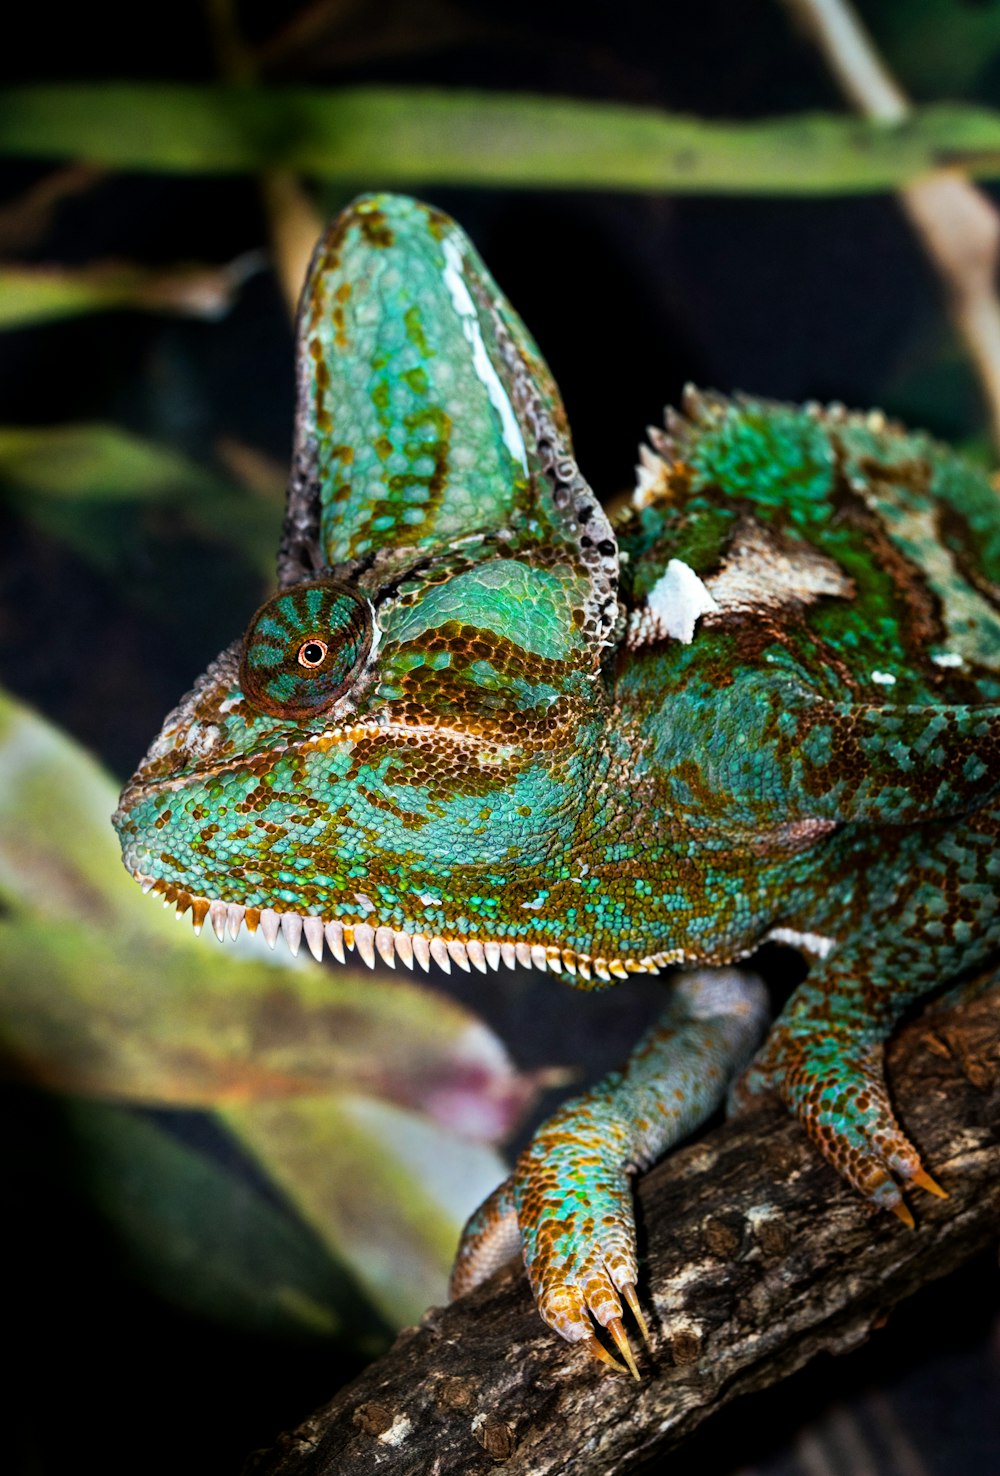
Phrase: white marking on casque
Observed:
(884, 678)
(815, 943)
(485, 371)
(376, 634)
(947, 658)
(672, 608)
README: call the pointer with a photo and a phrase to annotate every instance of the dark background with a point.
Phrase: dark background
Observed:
(629, 296)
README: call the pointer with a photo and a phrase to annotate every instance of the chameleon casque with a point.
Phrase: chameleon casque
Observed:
(481, 723)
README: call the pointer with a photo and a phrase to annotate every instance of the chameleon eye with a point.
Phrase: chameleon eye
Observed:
(303, 649)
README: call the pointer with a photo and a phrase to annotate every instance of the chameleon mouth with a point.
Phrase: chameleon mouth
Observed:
(389, 944)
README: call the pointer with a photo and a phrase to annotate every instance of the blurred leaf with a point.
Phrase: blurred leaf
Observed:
(123, 1013)
(937, 48)
(30, 295)
(79, 475)
(207, 1239)
(97, 461)
(401, 136)
(253, 469)
(384, 1188)
(26, 218)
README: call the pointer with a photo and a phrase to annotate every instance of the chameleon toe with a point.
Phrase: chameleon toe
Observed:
(837, 1091)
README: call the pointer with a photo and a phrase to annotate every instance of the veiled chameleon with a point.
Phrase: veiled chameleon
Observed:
(480, 723)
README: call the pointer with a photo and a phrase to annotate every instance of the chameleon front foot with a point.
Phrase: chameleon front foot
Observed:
(568, 1203)
(837, 1091)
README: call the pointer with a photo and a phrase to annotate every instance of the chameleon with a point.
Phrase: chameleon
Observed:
(481, 722)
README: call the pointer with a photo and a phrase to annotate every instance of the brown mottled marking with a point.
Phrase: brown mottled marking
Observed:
(374, 227)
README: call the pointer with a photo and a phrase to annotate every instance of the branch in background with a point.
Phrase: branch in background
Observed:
(757, 1260)
(40, 294)
(419, 137)
(958, 225)
(295, 224)
(27, 219)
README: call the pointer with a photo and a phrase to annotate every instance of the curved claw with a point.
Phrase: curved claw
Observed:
(628, 1292)
(923, 1180)
(623, 1345)
(920, 1179)
(597, 1350)
(902, 1211)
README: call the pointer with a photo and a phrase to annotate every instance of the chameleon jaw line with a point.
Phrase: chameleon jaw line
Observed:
(391, 944)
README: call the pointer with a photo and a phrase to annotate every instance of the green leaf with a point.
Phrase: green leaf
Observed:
(385, 1189)
(202, 1236)
(98, 461)
(384, 136)
(72, 480)
(32, 295)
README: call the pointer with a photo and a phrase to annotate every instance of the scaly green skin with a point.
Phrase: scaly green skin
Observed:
(482, 723)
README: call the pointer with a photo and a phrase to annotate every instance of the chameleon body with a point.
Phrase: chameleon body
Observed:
(480, 723)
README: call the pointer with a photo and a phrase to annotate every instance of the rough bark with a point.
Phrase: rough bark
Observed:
(757, 1259)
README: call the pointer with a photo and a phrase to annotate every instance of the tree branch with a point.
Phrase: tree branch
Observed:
(758, 1258)
(957, 223)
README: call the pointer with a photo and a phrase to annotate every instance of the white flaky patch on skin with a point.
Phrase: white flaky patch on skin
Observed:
(763, 571)
(672, 608)
(815, 943)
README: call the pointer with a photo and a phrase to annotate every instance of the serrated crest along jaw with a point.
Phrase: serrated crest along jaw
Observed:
(372, 942)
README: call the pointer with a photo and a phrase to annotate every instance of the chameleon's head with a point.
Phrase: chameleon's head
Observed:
(401, 752)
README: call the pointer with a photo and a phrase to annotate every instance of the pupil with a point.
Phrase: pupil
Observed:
(312, 653)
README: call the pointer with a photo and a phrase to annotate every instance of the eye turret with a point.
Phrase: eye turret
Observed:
(304, 648)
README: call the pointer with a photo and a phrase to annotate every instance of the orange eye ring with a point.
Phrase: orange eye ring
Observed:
(312, 652)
